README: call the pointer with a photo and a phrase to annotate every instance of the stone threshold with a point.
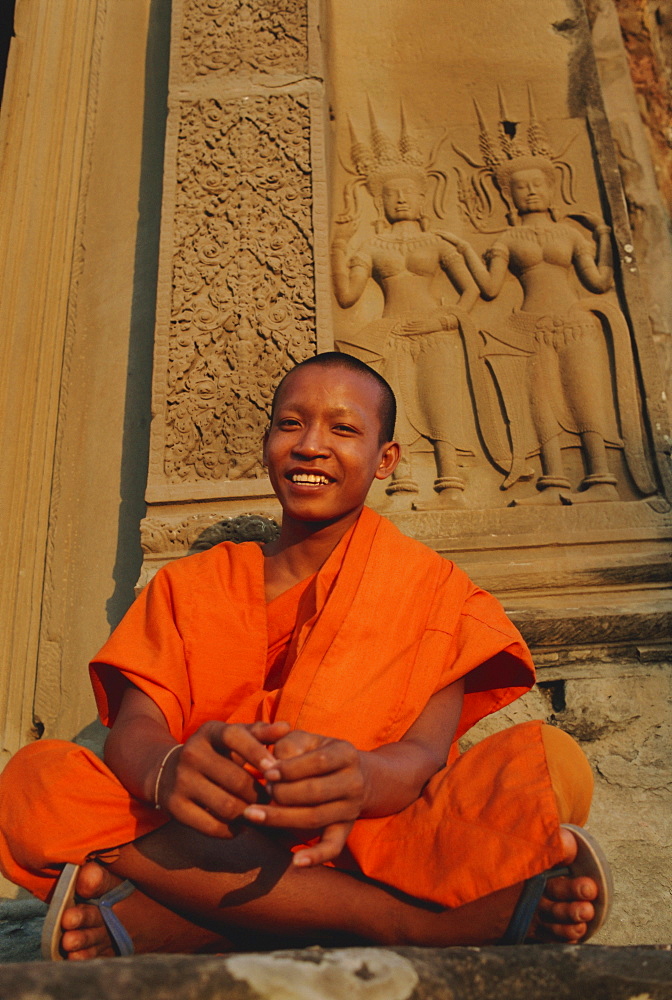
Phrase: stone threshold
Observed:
(530, 972)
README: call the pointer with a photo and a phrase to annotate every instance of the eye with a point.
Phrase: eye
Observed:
(288, 423)
(345, 429)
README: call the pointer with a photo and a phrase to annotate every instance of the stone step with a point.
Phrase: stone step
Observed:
(530, 972)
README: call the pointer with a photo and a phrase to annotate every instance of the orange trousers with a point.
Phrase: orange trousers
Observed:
(59, 803)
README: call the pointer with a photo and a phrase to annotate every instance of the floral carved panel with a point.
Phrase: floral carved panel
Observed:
(227, 37)
(243, 301)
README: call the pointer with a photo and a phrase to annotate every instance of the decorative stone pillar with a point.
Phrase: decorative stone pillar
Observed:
(242, 283)
(43, 138)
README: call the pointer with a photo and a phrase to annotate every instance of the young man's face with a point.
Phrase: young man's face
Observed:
(323, 449)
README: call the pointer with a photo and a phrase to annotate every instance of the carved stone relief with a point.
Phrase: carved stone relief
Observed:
(540, 384)
(243, 307)
(227, 37)
(557, 347)
(416, 342)
(164, 536)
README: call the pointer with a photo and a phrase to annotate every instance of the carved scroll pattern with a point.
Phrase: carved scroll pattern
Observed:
(243, 308)
(171, 536)
(230, 36)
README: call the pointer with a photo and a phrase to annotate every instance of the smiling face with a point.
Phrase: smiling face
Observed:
(402, 199)
(323, 448)
(530, 191)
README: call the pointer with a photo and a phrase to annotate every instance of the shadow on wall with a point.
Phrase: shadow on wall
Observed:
(135, 448)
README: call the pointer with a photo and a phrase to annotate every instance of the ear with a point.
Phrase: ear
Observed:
(263, 458)
(389, 460)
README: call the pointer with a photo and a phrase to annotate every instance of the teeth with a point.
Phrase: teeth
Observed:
(305, 477)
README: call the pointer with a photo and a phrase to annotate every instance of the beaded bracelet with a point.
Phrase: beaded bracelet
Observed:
(177, 746)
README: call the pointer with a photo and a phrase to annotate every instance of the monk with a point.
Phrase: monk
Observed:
(282, 765)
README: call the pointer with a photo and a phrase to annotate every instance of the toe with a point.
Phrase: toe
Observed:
(568, 933)
(94, 880)
(80, 917)
(564, 888)
(572, 912)
(86, 943)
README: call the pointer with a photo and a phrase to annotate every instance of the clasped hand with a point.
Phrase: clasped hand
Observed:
(311, 783)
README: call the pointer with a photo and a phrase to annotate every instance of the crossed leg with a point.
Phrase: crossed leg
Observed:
(199, 894)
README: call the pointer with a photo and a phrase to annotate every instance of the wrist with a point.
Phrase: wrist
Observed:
(160, 773)
(365, 768)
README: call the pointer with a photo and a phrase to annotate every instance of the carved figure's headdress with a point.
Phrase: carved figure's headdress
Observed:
(382, 159)
(504, 156)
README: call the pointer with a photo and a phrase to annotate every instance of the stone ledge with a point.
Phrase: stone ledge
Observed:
(532, 972)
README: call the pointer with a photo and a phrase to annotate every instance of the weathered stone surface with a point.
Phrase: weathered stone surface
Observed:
(20, 929)
(524, 973)
(621, 718)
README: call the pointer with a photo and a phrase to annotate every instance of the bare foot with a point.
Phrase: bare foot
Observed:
(551, 496)
(597, 493)
(562, 916)
(152, 927)
(566, 908)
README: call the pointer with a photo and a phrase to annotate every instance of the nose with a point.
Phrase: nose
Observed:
(311, 442)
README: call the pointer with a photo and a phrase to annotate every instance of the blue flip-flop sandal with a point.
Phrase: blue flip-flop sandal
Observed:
(65, 896)
(591, 861)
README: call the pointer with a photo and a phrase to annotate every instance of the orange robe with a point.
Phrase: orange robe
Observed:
(384, 625)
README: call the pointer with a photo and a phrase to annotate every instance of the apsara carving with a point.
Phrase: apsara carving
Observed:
(569, 353)
(417, 342)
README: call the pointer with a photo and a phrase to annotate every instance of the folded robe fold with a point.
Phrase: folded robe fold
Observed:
(391, 623)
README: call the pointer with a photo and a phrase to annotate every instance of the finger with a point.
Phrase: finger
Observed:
(269, 732)
(196, 771)
(240, 740)
(266, 733)
(301, 817)
(327, 758)
(199, 818)
(222, 788)
(329, 847)
(338, 787)
(296, 743)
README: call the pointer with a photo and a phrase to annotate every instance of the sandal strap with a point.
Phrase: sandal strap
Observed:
(121, 939)
(527, 904)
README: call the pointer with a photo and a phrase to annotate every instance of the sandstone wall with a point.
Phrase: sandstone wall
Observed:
(266, 104)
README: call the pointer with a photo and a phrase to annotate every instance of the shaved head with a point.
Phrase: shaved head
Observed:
(387, 404)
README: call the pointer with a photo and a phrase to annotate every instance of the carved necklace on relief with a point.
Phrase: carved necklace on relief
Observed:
(403, 242)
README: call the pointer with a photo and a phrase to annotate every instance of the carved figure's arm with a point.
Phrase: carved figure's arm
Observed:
(489, 278)
(596, 270)
(455, 267)
(349, 275)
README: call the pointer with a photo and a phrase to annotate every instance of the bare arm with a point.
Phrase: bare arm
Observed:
(395, 774)
(203, 784)
(488, 279)
(137, 743)
(459, 275)
(349, 279)
(595, 272)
